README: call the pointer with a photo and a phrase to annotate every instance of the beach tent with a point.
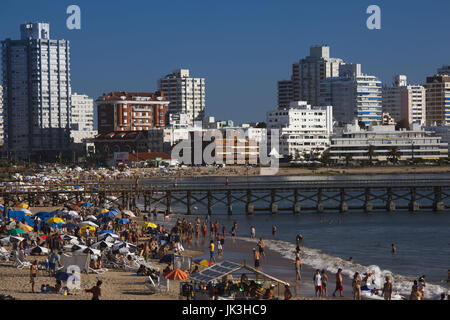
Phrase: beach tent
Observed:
(176, 274)
(81, 260)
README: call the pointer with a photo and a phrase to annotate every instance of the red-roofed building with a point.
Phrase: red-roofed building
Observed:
(131, 111)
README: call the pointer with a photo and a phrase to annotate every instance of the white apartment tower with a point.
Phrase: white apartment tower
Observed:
(353, 95)
(82, 118)
(1, 118)
(405, 102)
(307, 75)
(303, 129)
(36, 80)
(185, 94)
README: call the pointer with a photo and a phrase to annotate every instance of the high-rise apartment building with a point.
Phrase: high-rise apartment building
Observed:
(82, 118)
(131, 111)
(405, 102)
(307, 75)
(36, 80)
(444, 70)
(438, 100)
(185, 94)
(303, 129)
(1, 118)
(353, 95)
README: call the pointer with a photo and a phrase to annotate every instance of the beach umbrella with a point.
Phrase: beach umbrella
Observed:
(23, 205)
(109, 214)
(89, 250)
(106, 231)
(25, 227)
(88, 224)
(67, 237)
(11, 239)
(176, 274)
(73, 213)
(114, 209)
(55, 220)
(102, 245)
(86, 204)
(44, 215)
(110, 237)
(2, 208)
(149, 225)
(128, 213)
(91, 217)
(38, 250)
(204, 263)
(90, 228)
(26, 211)
(14, 232)
(104, 210)
(123, 221)
(74, 247)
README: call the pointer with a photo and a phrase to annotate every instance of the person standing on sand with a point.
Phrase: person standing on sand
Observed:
(256, 257)
(387, 289)
(261, 246)
(324, 283)
(96, 290)
(287, 292)
(298, 268)
(356, 284)
(211, 252)
(33, 275)
(339, 283)
(252, 232)
(318, 283)
(234, 231)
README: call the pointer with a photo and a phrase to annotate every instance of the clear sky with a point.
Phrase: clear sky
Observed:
(242, 47)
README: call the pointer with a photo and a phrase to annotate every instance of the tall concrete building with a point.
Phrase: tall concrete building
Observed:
(445, 70)
(353, 95)
(185, 94)
(1, 118)
(82, 118)
(131, 111)
(438, 100)
(36, 80)
(307, 75)
(405, 102)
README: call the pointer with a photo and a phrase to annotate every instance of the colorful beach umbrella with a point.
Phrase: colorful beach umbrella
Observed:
(109, 214)
(86, 204)
(25, 227)
(104, 210)
(88, 223)
(90, 228)
(14, 232)
(149, 225)
(123, 221)
(176, 274)
(23, 205)
(54, 220)
(128, 213)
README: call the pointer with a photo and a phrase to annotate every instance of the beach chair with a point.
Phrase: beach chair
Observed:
(20, 261)
(4, 254)
(98, 271)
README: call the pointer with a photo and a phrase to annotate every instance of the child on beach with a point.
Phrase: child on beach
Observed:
(318, 283)
(387, 289)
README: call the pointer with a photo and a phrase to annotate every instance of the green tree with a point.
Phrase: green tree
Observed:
(348, 159)
(394, 155)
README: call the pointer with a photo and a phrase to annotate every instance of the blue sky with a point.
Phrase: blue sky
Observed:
(241, 47)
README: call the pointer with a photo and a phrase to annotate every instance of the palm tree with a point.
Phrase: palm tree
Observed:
(348, 158)
(394, 155)
(371, 153)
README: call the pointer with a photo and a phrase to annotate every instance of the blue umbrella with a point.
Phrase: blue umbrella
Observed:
(109, 214)
(124, 221)
(114, 209)
(86, 204)
(105, 231)
(63, 276)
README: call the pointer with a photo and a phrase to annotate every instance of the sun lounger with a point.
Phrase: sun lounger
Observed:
(20, 262)
(98, 271)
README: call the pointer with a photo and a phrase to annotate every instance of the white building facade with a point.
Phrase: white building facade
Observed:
(411, 144)
(303, 129)
(353, 95)
(36, 79)
(82, 118)
(186, 95)
(405, 102)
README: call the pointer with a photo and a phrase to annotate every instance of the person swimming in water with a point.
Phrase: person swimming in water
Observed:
(394, 250)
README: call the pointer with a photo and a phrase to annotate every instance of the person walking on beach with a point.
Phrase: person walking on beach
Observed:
(33, 275)
(318, 283)
(256, 257)
(387, 289)
(339, 283)
(219, 247)
(324, 283)
(211, 252)
(287, 292)
(96, 290)
(252, 232)
(356, 285)
(261, 246)
(298, 268)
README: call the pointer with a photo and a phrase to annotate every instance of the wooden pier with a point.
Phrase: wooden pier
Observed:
(273, 196)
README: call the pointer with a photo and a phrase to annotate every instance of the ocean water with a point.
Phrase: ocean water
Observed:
(422, 240)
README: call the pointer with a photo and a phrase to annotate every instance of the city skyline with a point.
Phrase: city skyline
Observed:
(257, 47)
